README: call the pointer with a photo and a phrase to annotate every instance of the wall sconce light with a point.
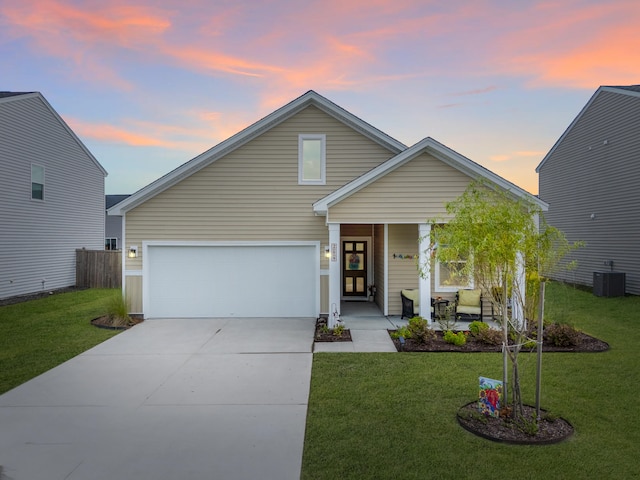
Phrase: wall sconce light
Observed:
(327, 251)
(133, 251)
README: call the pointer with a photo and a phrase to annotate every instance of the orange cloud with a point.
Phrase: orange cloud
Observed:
(112, 134)
(576, 47)
(206, 60)
(504, 157)
(200, 131)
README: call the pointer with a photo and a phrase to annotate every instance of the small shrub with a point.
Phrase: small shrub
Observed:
(489, 336)
(561, 335)
(458, 339)
(419, 330)
(476, 327)
(338, 329)
(401, 332)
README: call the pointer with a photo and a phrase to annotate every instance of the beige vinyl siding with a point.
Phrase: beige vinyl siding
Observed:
(585, 176)
(39, 237)
(414, 192)
(403, 272)
(133, 293)
(252, 194)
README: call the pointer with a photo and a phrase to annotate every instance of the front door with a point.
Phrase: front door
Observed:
(354, 268)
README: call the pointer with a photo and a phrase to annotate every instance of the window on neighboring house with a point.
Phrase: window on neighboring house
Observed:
(311, 159)
(111, 244)
(451, 277)
(37, 182)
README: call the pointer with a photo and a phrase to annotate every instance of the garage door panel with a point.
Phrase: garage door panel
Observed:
(227, 281)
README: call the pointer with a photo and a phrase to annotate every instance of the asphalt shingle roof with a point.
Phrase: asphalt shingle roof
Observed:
(12, 94)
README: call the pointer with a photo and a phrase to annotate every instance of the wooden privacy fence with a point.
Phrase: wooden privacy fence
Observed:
(98, 268)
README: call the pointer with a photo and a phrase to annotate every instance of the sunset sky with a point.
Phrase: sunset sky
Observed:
(149, 84)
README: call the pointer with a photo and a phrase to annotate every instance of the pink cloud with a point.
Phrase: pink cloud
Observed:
(575, 46)
(82, 36)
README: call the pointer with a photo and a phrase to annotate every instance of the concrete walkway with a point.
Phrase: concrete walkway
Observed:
(168, 399)
(368, 329)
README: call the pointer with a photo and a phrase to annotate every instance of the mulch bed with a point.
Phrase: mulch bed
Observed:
(499, 429)
(323, 336)
(586, 343)
(108, 324)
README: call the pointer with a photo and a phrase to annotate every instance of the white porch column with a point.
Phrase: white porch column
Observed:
(424, 262)
(334, 273)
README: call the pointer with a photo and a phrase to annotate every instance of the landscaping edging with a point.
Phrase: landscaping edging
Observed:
(498, 429)
(586, 344)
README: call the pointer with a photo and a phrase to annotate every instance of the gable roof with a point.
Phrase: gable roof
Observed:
(437, 150)
(630, 90)
(310, 98)
(8, 97)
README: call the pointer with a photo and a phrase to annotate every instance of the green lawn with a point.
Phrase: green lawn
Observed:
(40, 334)
(392, 416)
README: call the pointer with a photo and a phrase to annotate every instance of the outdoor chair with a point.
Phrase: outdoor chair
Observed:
(411, 303)
(468, 306)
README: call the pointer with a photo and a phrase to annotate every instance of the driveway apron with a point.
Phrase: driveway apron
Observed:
(167, 399)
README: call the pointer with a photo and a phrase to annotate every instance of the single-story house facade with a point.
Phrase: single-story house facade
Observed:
(307, 207)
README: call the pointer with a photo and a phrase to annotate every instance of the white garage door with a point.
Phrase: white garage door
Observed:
(272, 280)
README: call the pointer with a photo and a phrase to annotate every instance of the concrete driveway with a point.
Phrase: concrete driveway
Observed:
(168, 399)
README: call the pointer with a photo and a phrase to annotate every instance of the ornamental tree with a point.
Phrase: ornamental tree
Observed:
(507, 247)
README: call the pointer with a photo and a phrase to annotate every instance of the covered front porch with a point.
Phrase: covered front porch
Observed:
(373, 263)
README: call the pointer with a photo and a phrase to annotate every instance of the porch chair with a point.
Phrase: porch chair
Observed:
(469, 305)
(411, 303)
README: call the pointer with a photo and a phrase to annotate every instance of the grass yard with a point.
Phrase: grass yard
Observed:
(392, 415)
(40, 334)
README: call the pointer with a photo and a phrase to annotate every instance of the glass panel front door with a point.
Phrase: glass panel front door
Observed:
(354, 270)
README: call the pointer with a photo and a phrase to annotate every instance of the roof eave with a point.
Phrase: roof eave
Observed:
(439, 151)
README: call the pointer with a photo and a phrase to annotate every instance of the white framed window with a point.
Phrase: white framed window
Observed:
(451, 277)
(37, 182)
(311, 159)
(110, 243)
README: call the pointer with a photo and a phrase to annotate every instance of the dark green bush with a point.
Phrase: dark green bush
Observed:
(419, 330)
(561, 335)
(489, 336)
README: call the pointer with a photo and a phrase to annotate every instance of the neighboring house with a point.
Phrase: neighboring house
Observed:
(591, 181)
(113, 224)
(306, 208)
(52, 196)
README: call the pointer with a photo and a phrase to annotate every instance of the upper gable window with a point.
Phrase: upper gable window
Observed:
(37, 182)
(311, 159)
